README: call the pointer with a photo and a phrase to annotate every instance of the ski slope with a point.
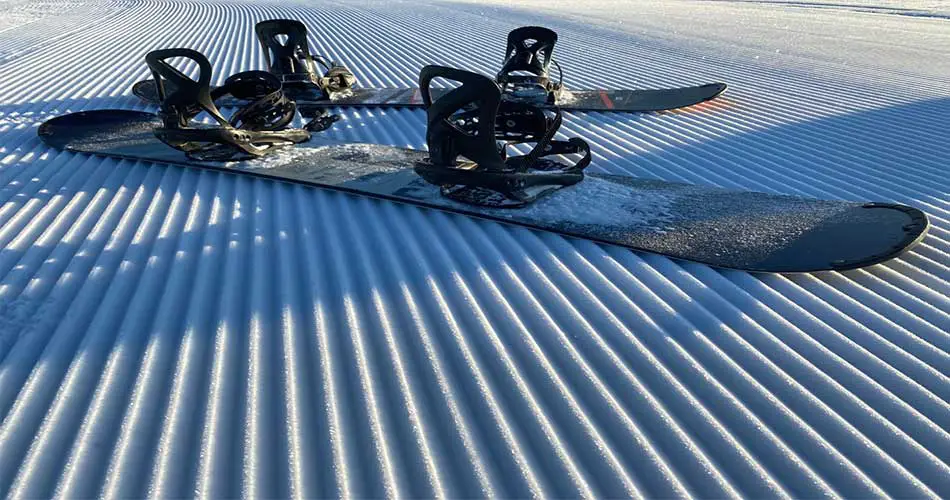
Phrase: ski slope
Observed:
(173, 332)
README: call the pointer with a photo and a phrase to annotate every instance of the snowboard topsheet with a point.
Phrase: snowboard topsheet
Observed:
(723, 228)
(570, 100)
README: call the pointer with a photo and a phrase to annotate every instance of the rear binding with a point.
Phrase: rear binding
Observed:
(472, 122)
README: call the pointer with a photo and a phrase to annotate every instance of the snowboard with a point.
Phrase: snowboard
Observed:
(722, 228)
(569, 100)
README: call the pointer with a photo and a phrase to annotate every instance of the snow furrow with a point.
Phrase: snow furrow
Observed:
(174, 332)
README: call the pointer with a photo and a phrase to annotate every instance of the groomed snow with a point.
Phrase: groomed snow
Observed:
(173, 332)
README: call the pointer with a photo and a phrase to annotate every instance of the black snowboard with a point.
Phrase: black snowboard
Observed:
(730, 229)
(573, 100)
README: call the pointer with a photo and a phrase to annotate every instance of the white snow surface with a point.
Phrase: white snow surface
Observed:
(174, 332)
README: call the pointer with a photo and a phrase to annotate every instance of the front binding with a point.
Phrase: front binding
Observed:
(255, 129)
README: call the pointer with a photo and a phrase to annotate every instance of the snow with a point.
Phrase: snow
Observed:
(174, 332)
(603, 203)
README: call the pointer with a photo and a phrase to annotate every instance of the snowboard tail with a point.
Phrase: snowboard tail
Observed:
(723, 228)
(625, 101)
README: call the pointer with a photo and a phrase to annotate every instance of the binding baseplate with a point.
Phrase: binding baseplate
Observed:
(253, 130)
(467, 122)
(287, 54)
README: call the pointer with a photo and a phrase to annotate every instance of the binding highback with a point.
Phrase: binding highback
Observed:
(530, 49)
(287, 54)
(290, 58)
(462, 122)
(181, 96)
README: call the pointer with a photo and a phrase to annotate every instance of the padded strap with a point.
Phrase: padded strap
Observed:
(521, 122)
(268, 108)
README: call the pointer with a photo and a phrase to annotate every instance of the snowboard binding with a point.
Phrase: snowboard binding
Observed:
(288, 56)
(530, 50)
(255, 129)
(466, 122)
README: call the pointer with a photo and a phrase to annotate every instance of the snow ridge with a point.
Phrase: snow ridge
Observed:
(173, 332)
